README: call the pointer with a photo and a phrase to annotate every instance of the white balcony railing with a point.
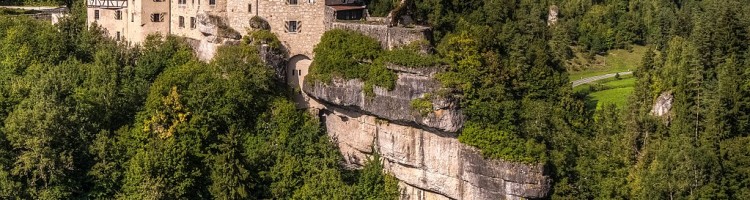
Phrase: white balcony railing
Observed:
(107, 3)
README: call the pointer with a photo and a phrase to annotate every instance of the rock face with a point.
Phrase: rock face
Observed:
(421, 151)
(663, 104)
(552, 15)
(430, 164)
(215, 33)
(395, 105)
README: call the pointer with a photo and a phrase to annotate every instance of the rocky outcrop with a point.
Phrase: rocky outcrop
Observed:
(395, 105)
(552, 15)
(215, 33)
(663, 104)
(421, 151)
(431, 164)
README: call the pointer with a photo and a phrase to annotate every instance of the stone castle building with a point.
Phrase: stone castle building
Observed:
(421, 151)
(299, 24)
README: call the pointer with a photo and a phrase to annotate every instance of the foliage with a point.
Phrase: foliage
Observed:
(500, 144)
(423, 106)
(86, 117)
(350, 55)
(260, 37)
(380, 8)
(410, 57)
(15, 11)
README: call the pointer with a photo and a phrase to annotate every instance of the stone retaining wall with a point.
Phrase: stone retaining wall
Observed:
(389, 37)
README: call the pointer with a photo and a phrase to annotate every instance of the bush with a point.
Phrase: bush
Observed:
(496, 144)
(423, 106)
(262, 37)
(350, 55)
(380, 8)
(410, 58)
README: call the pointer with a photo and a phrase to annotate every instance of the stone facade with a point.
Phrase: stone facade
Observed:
(135, 22)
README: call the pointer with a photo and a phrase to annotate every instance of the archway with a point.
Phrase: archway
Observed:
(296, 71)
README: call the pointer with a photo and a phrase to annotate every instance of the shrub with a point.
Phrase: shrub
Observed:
(346, 54)
(500, 144)
(410, 58)
(423, 106)
(263, 37)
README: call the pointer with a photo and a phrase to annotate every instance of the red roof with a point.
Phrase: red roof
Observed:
(340, 8)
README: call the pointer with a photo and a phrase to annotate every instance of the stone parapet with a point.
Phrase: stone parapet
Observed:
(389, 37)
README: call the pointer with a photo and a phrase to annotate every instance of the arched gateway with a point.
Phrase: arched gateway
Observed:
(296, 70)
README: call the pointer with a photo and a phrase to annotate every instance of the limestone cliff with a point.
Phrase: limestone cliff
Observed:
(395, 105)
(421, 151)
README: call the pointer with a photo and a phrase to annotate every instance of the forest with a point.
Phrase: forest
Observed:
(85, 117)
(509, 66)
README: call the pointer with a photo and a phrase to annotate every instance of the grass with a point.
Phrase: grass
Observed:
(620, 60)
(617, 96)
(626, 82)
(608, 91)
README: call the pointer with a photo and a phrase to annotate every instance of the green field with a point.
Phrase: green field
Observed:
(619, 60)
(608, 91)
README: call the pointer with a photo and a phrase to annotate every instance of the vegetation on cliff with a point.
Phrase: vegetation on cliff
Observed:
(508, 64)
(351, 55)
(85, 117)
(515, 91)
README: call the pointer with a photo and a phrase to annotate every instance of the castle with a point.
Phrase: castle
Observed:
(207, 24)
(422, 152)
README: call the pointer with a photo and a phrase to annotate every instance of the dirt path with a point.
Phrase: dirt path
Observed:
(596, 78)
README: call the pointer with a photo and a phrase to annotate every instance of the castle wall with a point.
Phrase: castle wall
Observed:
(147, 27)
(389, 37)
(108, 22)
(310, 14)
(189, 10)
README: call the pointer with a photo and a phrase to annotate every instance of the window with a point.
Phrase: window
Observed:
(250, 8)
(118, 14)
(132, 17)
(291, 2)
(293, 26)
(182, 22)
(157, 17)
(211, 2)
(96, 14)
(117, 36)
(192, 22)
(158, 0)
(299, 72)
(311, 1)
(181, 1)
